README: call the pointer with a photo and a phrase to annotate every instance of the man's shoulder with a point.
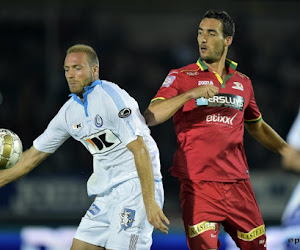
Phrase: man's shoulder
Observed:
(114, 92)
(193, 67)
(67, 104)
(242, 76)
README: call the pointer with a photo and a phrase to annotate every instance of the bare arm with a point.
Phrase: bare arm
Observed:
(161, 110)
(144, 168)
(291, 160)
(28, 161)
(267, 137)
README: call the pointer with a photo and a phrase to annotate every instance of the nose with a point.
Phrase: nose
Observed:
(202, 39)
(69, 74)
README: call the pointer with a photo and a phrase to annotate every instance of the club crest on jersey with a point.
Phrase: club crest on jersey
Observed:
(98, 121)
(77, 126)
(127, 218)
(238, 85)
(125, 112)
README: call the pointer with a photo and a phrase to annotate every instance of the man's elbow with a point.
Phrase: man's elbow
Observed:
(150, 118)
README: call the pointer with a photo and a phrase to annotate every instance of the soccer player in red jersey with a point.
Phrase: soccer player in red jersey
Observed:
(211, 103)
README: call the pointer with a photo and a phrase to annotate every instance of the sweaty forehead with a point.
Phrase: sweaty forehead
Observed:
(210, 24)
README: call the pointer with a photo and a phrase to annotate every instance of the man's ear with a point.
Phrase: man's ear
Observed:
(228, 41)
(96, 71)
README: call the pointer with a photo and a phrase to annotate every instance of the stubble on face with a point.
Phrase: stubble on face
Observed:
(210, 40)
(78, 72)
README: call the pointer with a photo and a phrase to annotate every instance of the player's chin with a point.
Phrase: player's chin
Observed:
(204, 57)
(75, 90)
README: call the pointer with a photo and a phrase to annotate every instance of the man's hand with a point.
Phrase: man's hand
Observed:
(28, 161)
(205, 91)
(291, 159)
(156, 217)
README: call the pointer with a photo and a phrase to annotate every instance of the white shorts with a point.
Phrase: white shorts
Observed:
(118, 220)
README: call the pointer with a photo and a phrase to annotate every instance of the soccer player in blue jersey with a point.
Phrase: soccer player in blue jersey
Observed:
(126, 178)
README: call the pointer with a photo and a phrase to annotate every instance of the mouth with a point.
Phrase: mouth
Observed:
(203, 49)
(71, 84)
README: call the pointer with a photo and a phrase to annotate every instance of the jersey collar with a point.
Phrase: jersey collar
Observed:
(87, 90)
(231, 65)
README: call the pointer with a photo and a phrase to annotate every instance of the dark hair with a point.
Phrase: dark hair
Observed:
(227, 22)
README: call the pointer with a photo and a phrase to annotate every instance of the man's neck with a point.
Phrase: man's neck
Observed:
(219, 66)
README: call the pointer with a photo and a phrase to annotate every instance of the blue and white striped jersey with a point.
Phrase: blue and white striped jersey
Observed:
(107, 120)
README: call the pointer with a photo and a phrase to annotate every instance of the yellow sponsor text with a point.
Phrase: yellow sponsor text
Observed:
(253, 234)
(201, 227)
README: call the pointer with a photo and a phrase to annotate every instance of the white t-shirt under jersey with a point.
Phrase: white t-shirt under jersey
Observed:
(104, 123)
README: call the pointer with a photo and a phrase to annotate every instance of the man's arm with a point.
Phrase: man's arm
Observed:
(291, 159)
(144, 168)
(268, 137)
(28, 161)
(160, 111)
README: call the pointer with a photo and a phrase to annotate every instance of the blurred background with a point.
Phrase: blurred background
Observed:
(138, 43)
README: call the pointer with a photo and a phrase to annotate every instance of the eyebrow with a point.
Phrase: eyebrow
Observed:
(209, 30)
(72, 66)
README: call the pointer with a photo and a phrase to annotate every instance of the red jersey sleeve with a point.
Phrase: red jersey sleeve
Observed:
(169, 87)
(252, 113)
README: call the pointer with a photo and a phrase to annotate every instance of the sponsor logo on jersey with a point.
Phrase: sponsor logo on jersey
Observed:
(192, 73)
(168, 81)
(125, 112)
(98, 121)
(101, 142)
(238, 85)
(77, 126)
(127, 218)
(253, 234)
(220, 119)
(222, 100)
(200, 83)
(201, 227)
(94, 209)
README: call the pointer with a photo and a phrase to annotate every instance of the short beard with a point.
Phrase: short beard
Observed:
(208, 60)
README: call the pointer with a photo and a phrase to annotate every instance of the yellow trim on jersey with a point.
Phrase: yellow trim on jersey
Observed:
(201, 227)
(218, 77)
(200, 66)
(253, 234)
(157, 98)
(232, 63)
(254, 120)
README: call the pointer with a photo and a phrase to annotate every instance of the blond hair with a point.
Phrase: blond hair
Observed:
(88, 50)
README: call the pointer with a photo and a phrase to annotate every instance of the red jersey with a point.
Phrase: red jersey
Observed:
(210, 131)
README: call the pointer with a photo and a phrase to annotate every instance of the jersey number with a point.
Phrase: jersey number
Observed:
(101, 142)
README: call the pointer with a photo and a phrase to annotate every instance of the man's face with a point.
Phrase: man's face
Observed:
(211, 40)
(78, 72)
